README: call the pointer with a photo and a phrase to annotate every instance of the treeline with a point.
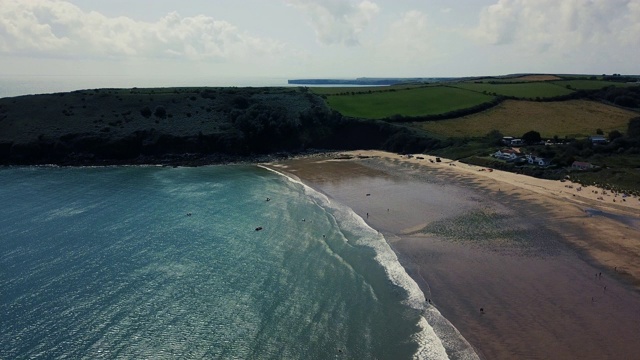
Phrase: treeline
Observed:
(621, 96)
(447, 115)
(619, 78)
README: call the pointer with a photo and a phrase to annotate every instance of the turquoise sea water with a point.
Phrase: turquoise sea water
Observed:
(157, 262)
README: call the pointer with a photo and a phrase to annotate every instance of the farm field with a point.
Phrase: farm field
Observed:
(410, 102)
(574, 118)
(530, 90)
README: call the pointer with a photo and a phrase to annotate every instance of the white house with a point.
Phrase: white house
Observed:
(536, 160)
(598, 139)
(507, 154)
(511, 141)
(543, 162)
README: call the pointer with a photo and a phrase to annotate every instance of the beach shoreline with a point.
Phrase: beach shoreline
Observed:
(568, 290)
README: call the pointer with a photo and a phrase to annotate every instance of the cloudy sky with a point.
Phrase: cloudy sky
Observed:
(318, 38)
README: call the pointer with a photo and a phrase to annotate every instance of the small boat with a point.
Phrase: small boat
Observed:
(259, 228)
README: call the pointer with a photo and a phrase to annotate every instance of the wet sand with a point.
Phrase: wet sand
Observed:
(535, 261)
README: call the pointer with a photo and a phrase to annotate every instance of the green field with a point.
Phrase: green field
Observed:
(411, 102)
(530, 90)
(589, 84)
(573, 118)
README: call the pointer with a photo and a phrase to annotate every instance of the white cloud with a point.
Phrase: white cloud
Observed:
(58, 28)
(337, 21)
(560, 25)
(409, 37)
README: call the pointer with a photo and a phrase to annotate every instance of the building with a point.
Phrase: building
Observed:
(598, 139)
(536, 160)
(510, 141)
(581, 165)
(507, 154)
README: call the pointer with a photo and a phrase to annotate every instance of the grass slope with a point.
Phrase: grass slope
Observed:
(410, 102)
(574, 118)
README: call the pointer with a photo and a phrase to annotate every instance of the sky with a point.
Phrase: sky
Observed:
(318, 38)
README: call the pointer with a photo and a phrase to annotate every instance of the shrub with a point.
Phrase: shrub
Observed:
(240, 102)
(160, 112)
(145, 111)
(626, 101)
(531, 137)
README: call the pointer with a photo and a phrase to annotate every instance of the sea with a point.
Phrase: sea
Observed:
(18, 85)
(181, 262)
(212, 262)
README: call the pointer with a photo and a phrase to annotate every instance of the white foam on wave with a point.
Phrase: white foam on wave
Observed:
(437, 338)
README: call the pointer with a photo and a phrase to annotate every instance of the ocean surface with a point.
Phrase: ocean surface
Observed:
(17, 85)
(161, 262)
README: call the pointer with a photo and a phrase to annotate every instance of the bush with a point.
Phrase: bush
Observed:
(614, 135)
(240, 102)
(145, 111)
(633, 128)
(494, 137)
(531, 137)
(160, 112)
(626, 101)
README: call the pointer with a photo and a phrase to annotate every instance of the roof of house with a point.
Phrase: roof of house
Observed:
(509, 151)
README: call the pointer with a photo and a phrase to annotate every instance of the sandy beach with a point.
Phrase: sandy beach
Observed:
(554, 266)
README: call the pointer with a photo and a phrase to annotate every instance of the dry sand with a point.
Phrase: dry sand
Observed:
(553, 267)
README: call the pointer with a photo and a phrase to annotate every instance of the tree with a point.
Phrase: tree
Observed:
(160, 112)
(633, 129)
(494, 137)
(626, 101)
(599, 132)
(145, 111)
(531, 137)
(614, 135)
